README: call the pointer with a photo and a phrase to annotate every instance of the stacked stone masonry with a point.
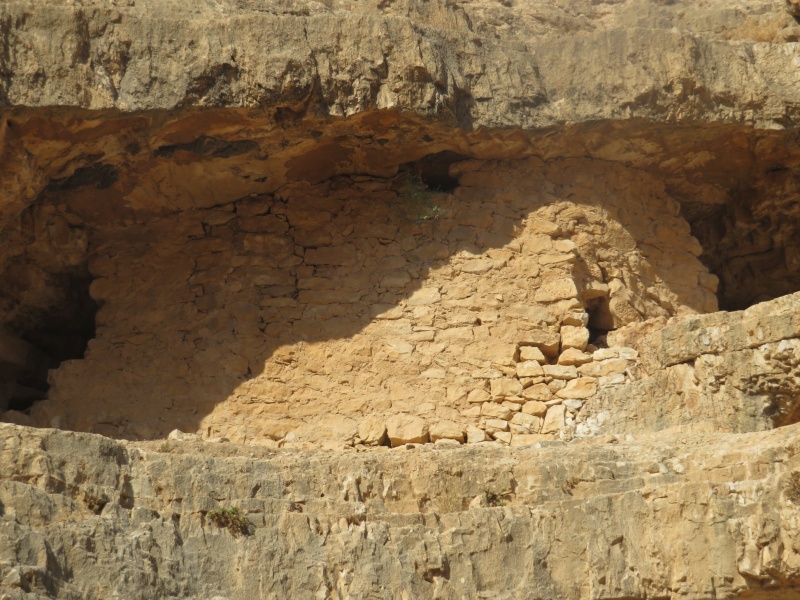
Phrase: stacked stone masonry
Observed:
(361, 310)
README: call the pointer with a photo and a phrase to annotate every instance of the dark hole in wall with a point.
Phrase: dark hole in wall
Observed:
(752, 243)
(600, 321)
(434, 170)
(47, 337)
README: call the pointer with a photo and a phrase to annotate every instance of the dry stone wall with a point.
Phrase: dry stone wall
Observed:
(367, 311)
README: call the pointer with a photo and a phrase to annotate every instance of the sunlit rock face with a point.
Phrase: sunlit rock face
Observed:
(465, 228)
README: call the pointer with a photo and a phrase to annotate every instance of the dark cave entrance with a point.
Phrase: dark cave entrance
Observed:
(434, 170)
(752, 243)
(40, 338)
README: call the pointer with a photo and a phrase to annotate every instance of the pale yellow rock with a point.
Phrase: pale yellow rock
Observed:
(447, 430)
(506, 386)
(546, 341)
(554, 420)
(604, 368)
(537, 392)
(503, 436)
(478, 396)
(372, 430)
(576, 319)
(494, 425)
(528, 353)
(529, 368)
(553, 290)
(560, 371)
(533, 423)
(512, 406)
(406, 429)
(581, 388)
(574, 357)
(574, 337)
(564, 245)
(519, 440)
(535, 408)
(496, 411)
(425, 296)
(476, 435)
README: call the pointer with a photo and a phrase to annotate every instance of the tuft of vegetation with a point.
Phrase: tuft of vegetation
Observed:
(231, 519)
(418, 200)
(792, 489)
(498, 498)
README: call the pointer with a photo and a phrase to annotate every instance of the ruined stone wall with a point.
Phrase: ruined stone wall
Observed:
(326, 311)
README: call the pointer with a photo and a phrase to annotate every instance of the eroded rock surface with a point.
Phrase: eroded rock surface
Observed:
(690, 517)
(493, 236)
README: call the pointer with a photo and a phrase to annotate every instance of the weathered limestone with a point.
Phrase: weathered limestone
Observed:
(557, 517)
(718, 372)
(318, 229)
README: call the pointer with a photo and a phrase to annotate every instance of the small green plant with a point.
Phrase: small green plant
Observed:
(498, 498)
(792, 489)
(231, 519)
(417, 200)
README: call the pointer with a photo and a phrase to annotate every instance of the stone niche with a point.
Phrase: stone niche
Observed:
(300, 285)
(301, 315)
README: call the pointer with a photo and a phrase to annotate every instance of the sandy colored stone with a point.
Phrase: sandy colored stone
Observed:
(537, 392)
(478, 396)
(494, 425)
(519, 440)
(574, 337)
(545, 341)
(555, 289)
(554, 420)
(496, 411)
(604, 368)
(476, 435)
(447, 430)
(504, 437)
(581, 388)
(406, 429)
(573, 357)
(372, 430)
(505, 387)
(560, 371)
(536, 408)
(533, 423)
(529, 353)
(529, 368)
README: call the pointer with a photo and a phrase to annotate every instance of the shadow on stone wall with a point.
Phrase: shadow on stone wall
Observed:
(360, 295)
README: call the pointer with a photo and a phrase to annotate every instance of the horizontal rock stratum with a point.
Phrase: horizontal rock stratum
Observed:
(662, 517)
(399, 299)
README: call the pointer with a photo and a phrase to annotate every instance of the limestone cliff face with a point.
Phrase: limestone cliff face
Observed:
(260, 243)
(679, 517)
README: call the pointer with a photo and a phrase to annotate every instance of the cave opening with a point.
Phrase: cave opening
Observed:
(601, 320)
(40, 338)
(752, 243)
(434, 170)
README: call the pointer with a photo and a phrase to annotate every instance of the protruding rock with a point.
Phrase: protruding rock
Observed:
(554, 421)
(496, 411)
(406, 429)
(372, 431)
(447, 430)
(529, 368)
(583, 387)
(574, 357)
(574, 337)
